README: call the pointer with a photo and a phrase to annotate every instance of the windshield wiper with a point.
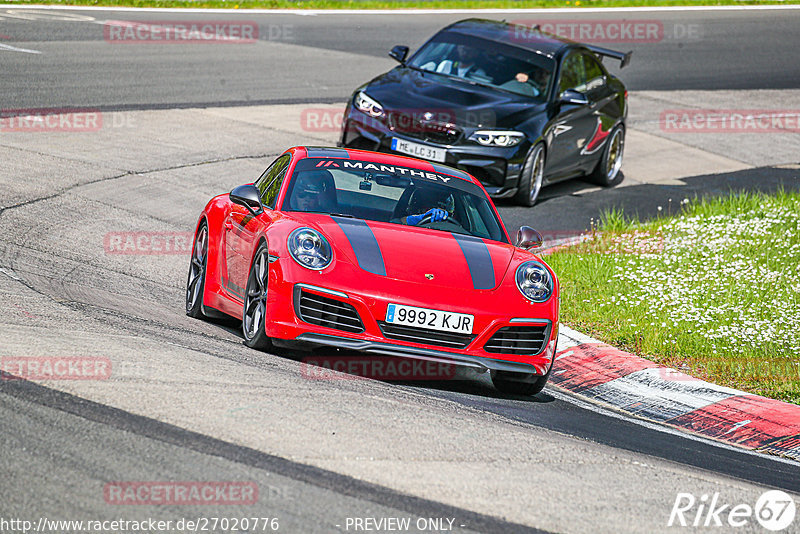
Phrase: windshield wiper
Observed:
(459, 78)
(345, 215)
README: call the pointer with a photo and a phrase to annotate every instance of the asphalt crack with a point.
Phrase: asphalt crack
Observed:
(73, 187)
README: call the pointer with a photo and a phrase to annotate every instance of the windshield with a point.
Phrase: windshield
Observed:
(392, 194)
(487, 63)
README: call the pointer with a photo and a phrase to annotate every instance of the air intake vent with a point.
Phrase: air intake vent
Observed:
(323, 311)
(425, 336)
(437, 131)
(528, 340)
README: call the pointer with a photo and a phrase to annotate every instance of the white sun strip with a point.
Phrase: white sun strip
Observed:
(10, 48)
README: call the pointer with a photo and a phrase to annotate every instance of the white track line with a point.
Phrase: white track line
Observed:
(10, 48)
(349, 12)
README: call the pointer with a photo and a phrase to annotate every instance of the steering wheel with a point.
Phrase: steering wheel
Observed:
(425, 220)
(428, 219)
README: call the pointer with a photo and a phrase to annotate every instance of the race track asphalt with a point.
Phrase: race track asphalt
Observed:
(186, 401)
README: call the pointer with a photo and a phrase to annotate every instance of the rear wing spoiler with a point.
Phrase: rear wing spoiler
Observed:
(623, 57)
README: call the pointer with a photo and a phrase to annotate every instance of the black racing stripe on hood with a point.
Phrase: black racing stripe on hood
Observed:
(478, 259)
(365, 246)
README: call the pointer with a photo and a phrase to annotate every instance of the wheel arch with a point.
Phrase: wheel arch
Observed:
(257, 244)
(541, 140)
(214, 217)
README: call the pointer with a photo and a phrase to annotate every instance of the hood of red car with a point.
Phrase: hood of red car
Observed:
(444, 259)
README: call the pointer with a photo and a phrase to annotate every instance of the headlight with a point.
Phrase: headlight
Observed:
(534, 281)
(368, 105)
(310, 249)
(497, 137)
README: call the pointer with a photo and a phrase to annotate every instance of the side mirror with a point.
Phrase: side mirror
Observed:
(571, 96)
(528, 238)
(399, 53)
(247, 196)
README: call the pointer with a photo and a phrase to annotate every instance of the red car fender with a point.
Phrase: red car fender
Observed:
(214, 214)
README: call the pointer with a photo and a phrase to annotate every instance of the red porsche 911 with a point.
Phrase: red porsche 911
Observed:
(384, 254)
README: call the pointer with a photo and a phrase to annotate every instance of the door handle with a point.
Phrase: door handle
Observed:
(561, 128)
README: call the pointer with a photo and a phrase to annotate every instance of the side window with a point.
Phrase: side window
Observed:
(594, 72)
(573, 75)
(269, 184)
(271, 196)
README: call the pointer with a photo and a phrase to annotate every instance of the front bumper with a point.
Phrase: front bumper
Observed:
(497, 168)
(479, 363)
(285, 324)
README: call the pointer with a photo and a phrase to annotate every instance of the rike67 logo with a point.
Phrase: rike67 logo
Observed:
(774, 510)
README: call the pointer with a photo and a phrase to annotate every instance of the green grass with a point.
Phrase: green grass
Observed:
(394, 4)
(712, 289)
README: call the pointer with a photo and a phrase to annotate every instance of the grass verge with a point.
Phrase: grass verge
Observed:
(713, 291)
(394, 4)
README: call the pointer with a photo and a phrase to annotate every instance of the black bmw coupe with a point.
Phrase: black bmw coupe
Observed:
(515, 107)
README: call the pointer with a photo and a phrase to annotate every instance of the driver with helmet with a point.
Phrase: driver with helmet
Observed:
(314, 191)
(424, 202)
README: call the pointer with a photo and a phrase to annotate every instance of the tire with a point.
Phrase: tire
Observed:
(196, 281)
(531, 176)
(254, 312)
(511, 384)
(607, 172)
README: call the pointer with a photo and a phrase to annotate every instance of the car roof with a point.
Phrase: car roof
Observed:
(386, 159)
(505, 32)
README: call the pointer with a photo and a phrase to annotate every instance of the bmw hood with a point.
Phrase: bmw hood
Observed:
(409, 91)
(443, 259)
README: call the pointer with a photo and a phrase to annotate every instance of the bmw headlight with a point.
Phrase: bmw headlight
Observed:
(504, 138)
(368, 105)
(310, 249)
(534, 281)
